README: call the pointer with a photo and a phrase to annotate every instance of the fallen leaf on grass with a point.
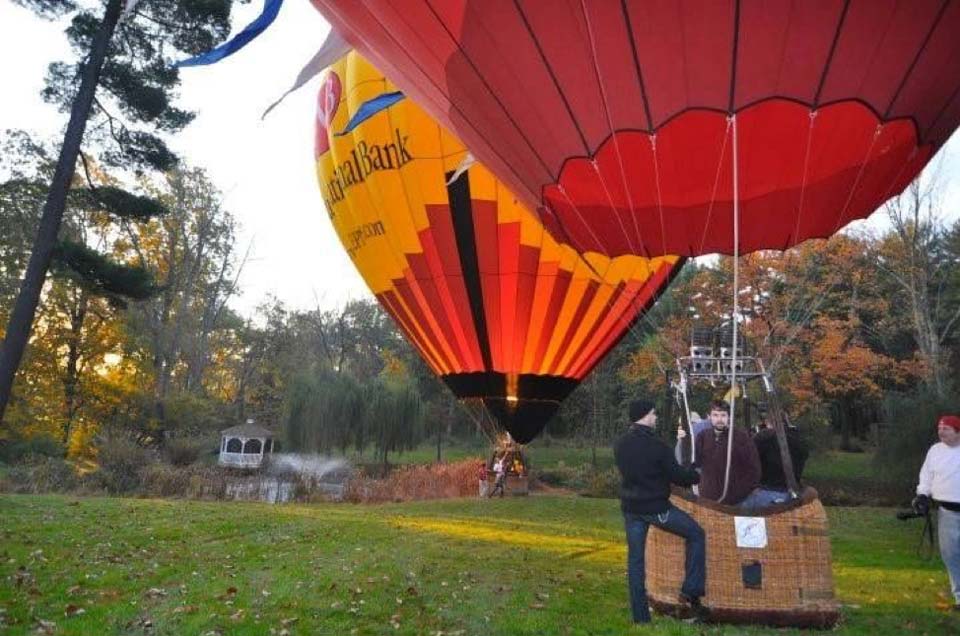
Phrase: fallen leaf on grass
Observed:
(287, 622)
(186, 609)
(155, 592)
(537, 606)
(73, 610)
(22, 576)
(46, 627)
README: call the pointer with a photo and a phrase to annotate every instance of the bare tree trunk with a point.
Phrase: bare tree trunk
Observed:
(25, 308)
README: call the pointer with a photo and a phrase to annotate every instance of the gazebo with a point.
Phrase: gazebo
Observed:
(245, 446)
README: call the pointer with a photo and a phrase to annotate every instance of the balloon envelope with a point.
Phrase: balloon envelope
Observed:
(496, 307)
(613, 119)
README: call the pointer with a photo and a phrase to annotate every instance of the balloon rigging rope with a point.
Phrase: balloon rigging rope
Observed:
(716, 184)
(613, 137)
(736, 309)
(822, 296)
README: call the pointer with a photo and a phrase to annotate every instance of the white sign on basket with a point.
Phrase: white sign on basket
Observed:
(751, 532)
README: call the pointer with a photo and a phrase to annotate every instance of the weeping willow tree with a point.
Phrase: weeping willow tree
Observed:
(325, 412)
(395, 417)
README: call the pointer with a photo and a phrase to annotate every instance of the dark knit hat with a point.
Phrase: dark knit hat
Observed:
(640, 408)
(947, 420)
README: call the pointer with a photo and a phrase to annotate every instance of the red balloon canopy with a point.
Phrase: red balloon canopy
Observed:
(618, 120)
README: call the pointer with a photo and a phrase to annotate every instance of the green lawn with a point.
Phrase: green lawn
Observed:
(840, 465)
(538, 565)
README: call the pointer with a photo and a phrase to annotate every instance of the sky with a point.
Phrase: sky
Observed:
(264, 168)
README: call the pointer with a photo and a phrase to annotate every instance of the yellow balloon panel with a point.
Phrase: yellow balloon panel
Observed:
(491, 300)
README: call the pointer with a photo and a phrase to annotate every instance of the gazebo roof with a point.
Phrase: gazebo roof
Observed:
(246, 430)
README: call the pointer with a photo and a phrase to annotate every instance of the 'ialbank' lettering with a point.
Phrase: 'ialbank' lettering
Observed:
(363, 161)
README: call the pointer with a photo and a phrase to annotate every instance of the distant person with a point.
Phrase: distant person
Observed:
(773, 481)
(500, 470)
(682, 450)
(939, 484)
(482, 478)
(712, 459)
(647, 468)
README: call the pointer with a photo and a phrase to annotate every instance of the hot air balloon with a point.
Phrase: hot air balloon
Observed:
(497, 308)
(655, 127)
(622, 123)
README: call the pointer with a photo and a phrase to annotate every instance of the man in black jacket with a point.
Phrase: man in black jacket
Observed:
(647, 468)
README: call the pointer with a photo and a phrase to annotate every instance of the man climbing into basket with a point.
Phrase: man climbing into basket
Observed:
(647, 468)
(940, 483)
(712, 458)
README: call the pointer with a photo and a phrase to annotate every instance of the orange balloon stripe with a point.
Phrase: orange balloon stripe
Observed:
(391, 302)
(493, 303)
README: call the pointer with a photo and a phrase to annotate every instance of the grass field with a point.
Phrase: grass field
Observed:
(539, 565)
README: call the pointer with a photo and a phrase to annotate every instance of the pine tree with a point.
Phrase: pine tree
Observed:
(123, 83)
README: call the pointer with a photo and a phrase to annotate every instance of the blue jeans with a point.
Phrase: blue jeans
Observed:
(677, 522)
(762, 497)
(948, 534)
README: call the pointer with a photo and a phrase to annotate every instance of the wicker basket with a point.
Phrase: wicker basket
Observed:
(787, 583)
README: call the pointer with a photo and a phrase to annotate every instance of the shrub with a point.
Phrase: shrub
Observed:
(192, 482)
(163, 480)
(603, 483)
(458, 479)
(183, 451)
(41, 475)
(24, 449)
(121, 461)
(911, 431)
(563, 476)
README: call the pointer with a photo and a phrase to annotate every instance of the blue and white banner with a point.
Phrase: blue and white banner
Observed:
(370, 108)
(270, 10)
(333, 48)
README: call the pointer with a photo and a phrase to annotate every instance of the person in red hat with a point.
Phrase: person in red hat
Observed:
(940, 484)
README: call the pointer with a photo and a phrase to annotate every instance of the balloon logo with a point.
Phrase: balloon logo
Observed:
(328, 100)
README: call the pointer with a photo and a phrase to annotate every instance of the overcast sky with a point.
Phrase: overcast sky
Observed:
(264, 168)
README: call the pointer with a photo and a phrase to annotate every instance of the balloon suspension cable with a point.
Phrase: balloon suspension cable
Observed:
(682, 390)
(686, 408)
(736, 310)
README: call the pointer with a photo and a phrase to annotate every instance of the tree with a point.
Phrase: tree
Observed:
(78, 314)
(130, 62)
(920, 255)
(192, 249)
(843, 370)
(394, 416)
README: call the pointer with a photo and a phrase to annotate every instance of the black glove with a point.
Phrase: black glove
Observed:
(921, 505)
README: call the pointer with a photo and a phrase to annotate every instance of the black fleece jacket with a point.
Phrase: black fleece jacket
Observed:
(647, 468)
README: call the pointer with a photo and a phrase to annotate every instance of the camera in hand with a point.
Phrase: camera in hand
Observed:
(919, 507)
